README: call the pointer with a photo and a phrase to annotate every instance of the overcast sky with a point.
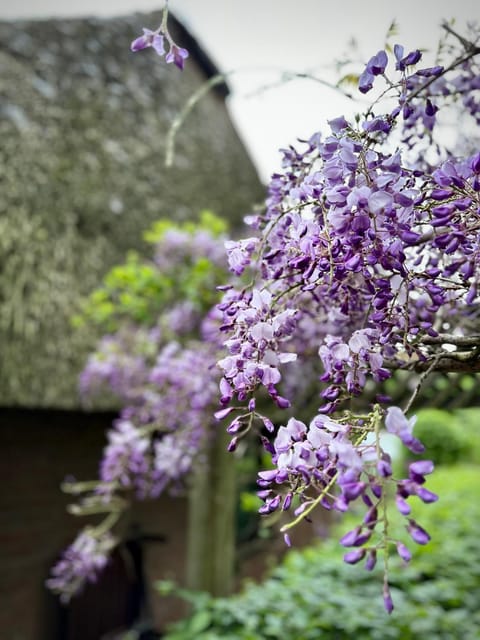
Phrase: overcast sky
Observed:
(261, 38)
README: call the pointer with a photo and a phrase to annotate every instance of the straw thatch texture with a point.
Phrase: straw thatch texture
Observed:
(82, 129)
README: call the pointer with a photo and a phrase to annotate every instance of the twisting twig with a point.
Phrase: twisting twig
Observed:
(421, 382)
(465, 43)
(471, 51)
(219, 78)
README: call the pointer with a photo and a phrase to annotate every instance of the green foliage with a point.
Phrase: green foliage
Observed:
(449, 437)
(313, 595)
(134, 290)
(442, 436)
(468, 420)
(207, 221)
(349, 79)
(137, 291)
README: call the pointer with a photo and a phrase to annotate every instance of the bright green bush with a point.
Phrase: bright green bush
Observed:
(313, 595)
(449, 437)
(468, 420)
(444, 440)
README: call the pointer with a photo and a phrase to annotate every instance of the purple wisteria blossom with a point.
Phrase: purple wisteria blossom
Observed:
(164, 377)
(397, 423)
(124, 456)
(375, 67)
(240, 253)
(158, 39)
(378, 63)
(150, 38)
(177, 55)
(366, 250)
(331, 464)
(120, 364)
(178, 245)
(81, 563)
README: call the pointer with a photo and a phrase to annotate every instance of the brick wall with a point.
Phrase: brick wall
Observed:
(38, 449)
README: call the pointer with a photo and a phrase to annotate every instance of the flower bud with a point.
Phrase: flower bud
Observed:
(352, 557)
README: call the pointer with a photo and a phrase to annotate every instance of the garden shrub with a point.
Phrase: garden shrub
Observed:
(444, 439)
(468, 420)
(449, 436)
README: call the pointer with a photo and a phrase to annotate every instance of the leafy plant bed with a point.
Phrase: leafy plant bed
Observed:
(313, 595)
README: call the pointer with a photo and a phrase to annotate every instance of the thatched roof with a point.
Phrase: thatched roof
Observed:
(82, 127)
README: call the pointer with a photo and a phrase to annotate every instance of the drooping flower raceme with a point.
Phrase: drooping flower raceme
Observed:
(158, 39)
(365, 255)
(81, 562)
(164, 378)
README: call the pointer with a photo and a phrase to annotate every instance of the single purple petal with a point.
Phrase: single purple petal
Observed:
(377, 124)
(403, 552)
(232, 445)
(234, 426)
(376, 489)
(352, 557)
(140, 43)
(365, 82)
(430, 108)
(371, 560)
(428, 72)
(159, 44)
(387, 599)
(426, 496)
(384, 468)
(268, 475)
(418, 535)
(398, 51)
(282, 403)
(412, 58)
(475, 163)
(222, 413)
(143, 41)
(268, 424)
(377, 63)
(338, 124)
(402, 505)
(371, 517)
(412, 443)
(352, 490)
(350, 538)
(177, 55)
(421, 467)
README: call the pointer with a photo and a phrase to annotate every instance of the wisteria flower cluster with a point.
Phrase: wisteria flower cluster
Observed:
(365, 260)
(163, 377)
(158, 39)
(154, 442)
(334, 464)
(81, 563)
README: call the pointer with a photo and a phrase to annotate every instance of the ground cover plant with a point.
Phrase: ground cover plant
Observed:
(313, 595)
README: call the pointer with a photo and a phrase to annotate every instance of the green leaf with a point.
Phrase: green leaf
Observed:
(199, 622)
(348, 79)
